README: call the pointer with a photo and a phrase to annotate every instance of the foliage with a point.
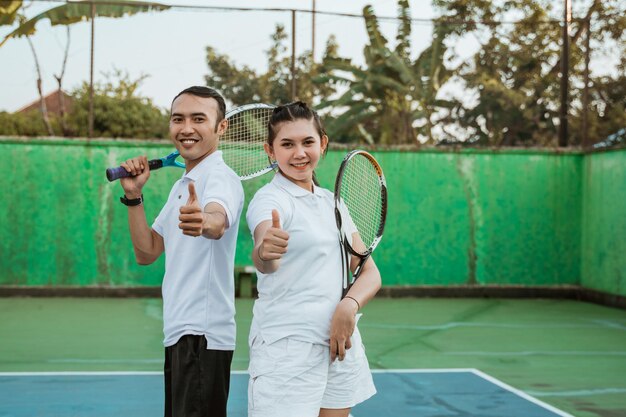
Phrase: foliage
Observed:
(12, 11)
(516, 71)
(9, 11)
(119, 112)
(393, 99)
(74, 12)
(379, 103)
(243, 85)
(22, 124)
(506, 94)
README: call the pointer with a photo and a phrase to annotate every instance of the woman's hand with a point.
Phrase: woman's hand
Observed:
(342, 327)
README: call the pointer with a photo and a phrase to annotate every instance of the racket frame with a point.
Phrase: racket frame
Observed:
(344, 241)
(246, 107)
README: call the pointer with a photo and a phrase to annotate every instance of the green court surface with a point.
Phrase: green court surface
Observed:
(570, 355)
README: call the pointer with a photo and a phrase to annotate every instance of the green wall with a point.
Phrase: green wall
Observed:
(603, 260)
(481, 218)
(455, 217)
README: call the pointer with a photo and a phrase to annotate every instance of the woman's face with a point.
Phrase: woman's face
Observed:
(297, 148)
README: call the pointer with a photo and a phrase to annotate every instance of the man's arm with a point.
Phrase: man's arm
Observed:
(147, 244)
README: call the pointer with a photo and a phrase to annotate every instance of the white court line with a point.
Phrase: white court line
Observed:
(521, 394)
(578, 393)
(483, 375)
(538, 353)
(375, 371)
(454, 325)
(108, 361)
(95, 373)
(79, 373)
(422, 371)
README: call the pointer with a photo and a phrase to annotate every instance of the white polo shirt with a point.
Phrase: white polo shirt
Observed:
(299, 299)
(198, 286)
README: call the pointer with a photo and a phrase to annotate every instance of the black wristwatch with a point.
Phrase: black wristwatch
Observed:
(131, 202)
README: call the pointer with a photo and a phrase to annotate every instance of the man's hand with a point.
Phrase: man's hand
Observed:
(138, 167)
(191, 215)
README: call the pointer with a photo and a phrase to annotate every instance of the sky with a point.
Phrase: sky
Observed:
(169, 47)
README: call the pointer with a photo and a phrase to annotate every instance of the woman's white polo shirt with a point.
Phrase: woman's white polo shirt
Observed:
(299, 299)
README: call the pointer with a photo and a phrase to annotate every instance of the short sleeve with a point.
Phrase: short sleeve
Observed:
(264, 201)
(226, 190)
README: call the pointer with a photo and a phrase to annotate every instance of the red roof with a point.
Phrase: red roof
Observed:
(52, 103)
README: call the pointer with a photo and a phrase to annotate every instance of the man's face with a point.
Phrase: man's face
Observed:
(194, 128)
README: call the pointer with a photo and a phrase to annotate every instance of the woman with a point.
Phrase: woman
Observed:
(306, 355)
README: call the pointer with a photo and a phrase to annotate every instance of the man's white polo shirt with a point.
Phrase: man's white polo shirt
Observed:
(198, 286)
(299, 299)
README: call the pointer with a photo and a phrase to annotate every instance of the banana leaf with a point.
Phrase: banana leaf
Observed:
(8, 11)
(75, 12)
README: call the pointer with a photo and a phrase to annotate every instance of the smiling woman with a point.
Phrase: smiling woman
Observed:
(300, 317)
(297, 149)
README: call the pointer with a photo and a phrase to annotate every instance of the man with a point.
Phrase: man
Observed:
(197, 229)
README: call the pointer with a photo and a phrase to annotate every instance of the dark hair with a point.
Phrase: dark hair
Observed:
(206, 92)
(298, 110)
(290, 112)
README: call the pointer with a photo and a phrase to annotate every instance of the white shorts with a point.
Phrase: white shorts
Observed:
(295, 379)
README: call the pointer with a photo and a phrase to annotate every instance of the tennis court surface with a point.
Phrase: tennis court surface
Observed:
(402, 393)
(431, 357)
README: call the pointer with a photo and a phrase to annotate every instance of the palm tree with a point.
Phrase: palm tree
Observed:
(392, 99)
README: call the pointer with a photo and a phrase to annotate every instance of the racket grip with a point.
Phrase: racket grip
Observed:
(120, 172)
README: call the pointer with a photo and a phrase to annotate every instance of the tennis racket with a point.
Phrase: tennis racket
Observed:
(241, 145)
(360, 210)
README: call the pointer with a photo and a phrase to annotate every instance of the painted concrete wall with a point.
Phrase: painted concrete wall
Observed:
(466, 217)
(603, 260)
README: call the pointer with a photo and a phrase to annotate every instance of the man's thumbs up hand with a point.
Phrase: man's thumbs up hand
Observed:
(191, 215)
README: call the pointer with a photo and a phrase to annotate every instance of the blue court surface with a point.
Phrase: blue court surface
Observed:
(401, 393)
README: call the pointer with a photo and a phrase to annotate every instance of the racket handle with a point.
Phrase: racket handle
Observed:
(119, 172)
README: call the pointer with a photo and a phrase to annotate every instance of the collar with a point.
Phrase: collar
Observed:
(282, 182)
(205, 165)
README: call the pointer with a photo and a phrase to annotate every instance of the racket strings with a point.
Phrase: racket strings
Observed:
(243, 141)
(361, 193)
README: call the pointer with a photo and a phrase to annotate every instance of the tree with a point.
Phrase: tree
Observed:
(119, 111)
(515, 71)
(67, 14)
(23, 124)
(393, 99)
(244, 85)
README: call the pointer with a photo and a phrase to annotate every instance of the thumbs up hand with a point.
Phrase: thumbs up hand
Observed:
(274, 243)
(191, 215)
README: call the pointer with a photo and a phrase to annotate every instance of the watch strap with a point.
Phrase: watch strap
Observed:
(132, 201)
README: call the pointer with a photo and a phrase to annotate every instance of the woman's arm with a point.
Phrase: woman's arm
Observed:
(363, 290)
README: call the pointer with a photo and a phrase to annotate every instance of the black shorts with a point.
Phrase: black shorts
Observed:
(196, 379)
